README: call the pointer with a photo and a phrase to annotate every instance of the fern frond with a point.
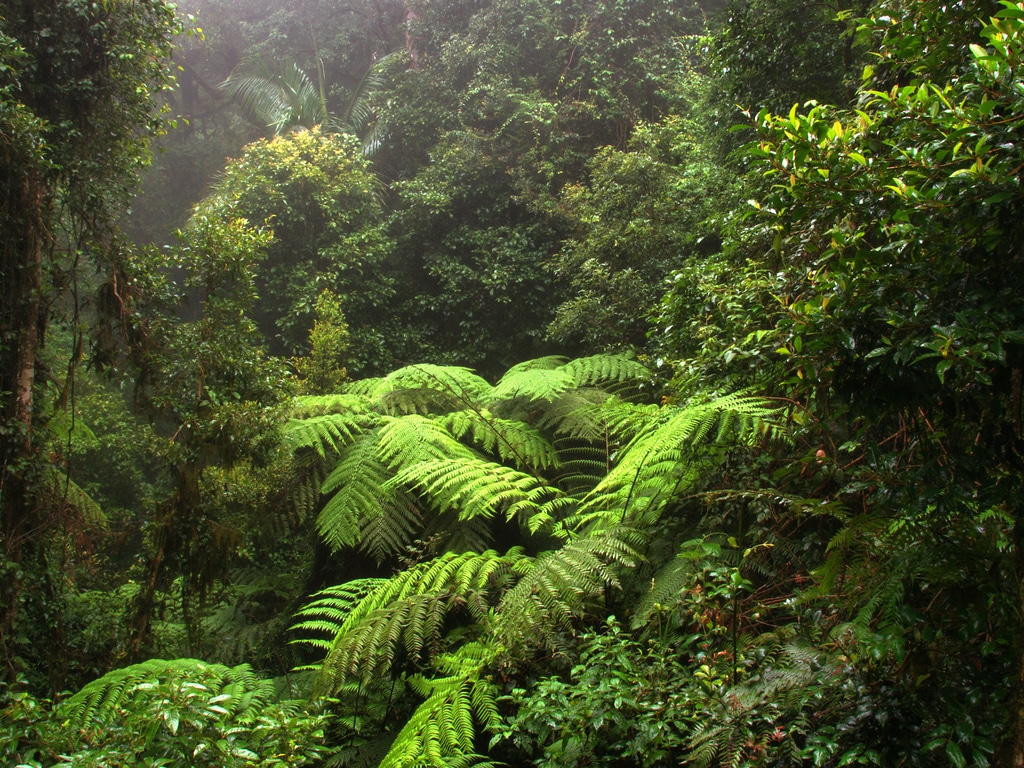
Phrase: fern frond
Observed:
(559, 586)
(327, 613)
(300, 491)
(367, 649)
(308, 406)
(413, 438)
(460, 381)
(568, 414)
(543, 379)
(427, 388)
(665, 588)
(440, 732)
(358, 489)
(328, 433)
(609, 418)
(660, 462)
(407, 608)
(475, 487)
(391, 529)
(450, 534)
(513, 441)
(583, 465)
(605, 369)
(61, 491)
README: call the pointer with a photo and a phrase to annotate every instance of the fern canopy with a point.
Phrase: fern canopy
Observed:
(555, 455)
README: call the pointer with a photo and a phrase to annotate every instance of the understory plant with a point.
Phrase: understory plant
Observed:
(511, 514)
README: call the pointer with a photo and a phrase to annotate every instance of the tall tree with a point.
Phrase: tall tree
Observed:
(76, 111)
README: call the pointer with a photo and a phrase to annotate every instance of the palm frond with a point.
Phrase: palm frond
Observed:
(274, 95)
(357, 114)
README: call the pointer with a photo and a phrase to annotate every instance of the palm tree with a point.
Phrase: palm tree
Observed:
(282, 97)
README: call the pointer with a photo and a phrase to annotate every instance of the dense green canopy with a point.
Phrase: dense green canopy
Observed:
(479, 382)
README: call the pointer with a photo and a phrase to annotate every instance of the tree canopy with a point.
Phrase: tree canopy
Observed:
(643, 389)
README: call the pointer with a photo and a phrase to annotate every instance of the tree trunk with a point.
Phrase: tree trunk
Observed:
(23, 246)
(410, 42)
(1012, 753)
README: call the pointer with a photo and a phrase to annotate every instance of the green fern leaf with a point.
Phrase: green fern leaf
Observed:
(358, 490)
(475, 487)
(414, 438)
(513, 441)
(327, 434)
(560, 585)
(605, 369)
(99, 702)
(375, 616)
(543, 380)
(310, 406)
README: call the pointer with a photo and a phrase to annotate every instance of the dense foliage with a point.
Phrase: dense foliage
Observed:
(559, 383)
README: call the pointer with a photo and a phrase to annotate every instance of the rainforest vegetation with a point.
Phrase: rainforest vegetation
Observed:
(512, 382)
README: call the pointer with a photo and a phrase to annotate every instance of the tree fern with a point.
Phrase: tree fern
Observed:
(442, 732)
(476, 487)
(515, 442)
(407, 609)
(415, 438)
(327, 434)
(532, 384)
(662, 460)
(358, 490)
(601, 370)
(599, 417)
(549, 446)
(308, 406)
(61, 491)
(560, 585)
(423, 389)
(546, 379)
